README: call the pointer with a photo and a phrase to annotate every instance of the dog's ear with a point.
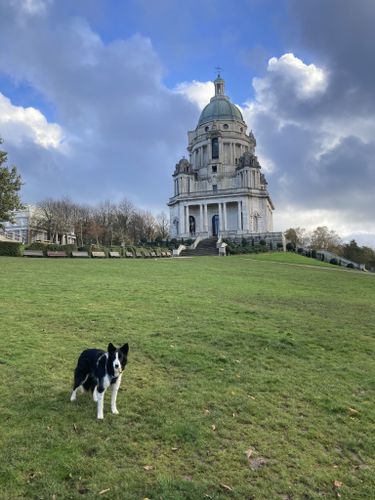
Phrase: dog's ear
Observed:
(125, 349)
(111, 348)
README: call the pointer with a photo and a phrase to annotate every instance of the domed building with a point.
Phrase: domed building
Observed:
(220, 190)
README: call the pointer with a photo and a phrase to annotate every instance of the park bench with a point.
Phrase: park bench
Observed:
(115, 255)
(146, 254)
(80, 254)
(98, 254)
(153, 253)
(138, 254)
(129, 254)
(56, 253)
(33, 253)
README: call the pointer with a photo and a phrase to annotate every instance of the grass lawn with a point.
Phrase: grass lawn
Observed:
(249, 377)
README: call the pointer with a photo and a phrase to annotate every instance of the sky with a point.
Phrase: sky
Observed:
(97, 96)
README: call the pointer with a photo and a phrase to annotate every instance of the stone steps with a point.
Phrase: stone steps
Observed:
(204, 248)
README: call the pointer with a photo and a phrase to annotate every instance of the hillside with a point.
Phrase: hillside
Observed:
(248, 377)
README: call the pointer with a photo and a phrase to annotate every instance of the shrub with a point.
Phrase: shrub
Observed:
(290, 247)
(350, 265)
(313, 254)
(300, 250)
(262, 243)
(333, 261)
(11, 248)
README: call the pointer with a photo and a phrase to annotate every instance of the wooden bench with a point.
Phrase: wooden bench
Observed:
(80, 254)
(33, 253)
(98, 255)
(56, 253)
(115, 255)
(139, 254)
(129, 254)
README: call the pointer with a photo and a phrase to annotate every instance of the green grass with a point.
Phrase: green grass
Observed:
(277, 355)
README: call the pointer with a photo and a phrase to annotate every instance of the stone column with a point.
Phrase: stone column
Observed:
(239, 225)
(201, 225)
(225, 217)
(187, 230)
(246, 215)
(220, 218)
(181, 218)
(205, 218)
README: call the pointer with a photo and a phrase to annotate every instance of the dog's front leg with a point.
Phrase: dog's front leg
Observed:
(100, 400)
(115, 388)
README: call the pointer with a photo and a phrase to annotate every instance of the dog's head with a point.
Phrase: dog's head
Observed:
(117, 358)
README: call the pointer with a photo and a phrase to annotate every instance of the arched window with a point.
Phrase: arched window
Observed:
(215, 148)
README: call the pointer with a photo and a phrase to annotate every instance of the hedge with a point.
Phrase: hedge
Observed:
(11, 248)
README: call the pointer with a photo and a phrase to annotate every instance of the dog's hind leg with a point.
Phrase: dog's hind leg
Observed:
(78, 381)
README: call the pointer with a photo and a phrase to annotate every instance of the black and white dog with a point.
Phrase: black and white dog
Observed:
(96, 370)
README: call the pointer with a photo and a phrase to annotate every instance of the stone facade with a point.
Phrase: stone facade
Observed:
(220, 190)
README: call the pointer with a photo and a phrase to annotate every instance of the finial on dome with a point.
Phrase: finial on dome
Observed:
(219, 82)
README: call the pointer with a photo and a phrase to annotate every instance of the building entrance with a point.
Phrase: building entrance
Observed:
(215, 225)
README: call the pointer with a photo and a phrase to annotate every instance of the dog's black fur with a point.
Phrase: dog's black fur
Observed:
(96, 370)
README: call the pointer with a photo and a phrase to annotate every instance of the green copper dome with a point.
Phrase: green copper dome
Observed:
(219, 108)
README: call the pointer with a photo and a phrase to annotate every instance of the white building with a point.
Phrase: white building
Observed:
(23, 229)
(220, 191)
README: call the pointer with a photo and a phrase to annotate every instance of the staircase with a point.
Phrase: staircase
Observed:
(205, 247)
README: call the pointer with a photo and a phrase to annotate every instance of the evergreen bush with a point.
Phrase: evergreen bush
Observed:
(11, 248)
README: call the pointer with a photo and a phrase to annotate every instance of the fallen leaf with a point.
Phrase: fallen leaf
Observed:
(249, 452)
(75, 427)
(174, 449)
(207, 412)
(353, 411)
(257, 463)
(213, 427)
(251, 397)
(226, 487)
(337, 484)
(148, 467)
(104, 491)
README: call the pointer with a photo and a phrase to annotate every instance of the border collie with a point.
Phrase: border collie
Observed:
(96, 370)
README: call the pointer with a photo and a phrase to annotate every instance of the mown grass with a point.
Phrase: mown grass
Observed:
(226, 355)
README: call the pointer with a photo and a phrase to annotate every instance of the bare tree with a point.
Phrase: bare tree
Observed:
(297, 236)
(162, 226)
(124, 212)
(56, 217)
(325, 239)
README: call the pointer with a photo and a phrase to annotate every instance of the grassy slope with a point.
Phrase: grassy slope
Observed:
(274, 356)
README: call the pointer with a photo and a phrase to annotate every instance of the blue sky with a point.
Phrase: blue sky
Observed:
(97, 96)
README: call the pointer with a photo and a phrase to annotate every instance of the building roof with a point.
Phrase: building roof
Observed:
(220, 108)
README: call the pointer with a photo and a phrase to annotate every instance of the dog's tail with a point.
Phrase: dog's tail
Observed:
(89, 384)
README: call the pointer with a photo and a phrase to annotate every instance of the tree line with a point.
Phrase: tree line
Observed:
(323, 238)
(106, 224)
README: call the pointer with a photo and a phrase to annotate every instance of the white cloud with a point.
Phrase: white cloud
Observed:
(18, 123)
(199, 93)
(31, 7)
